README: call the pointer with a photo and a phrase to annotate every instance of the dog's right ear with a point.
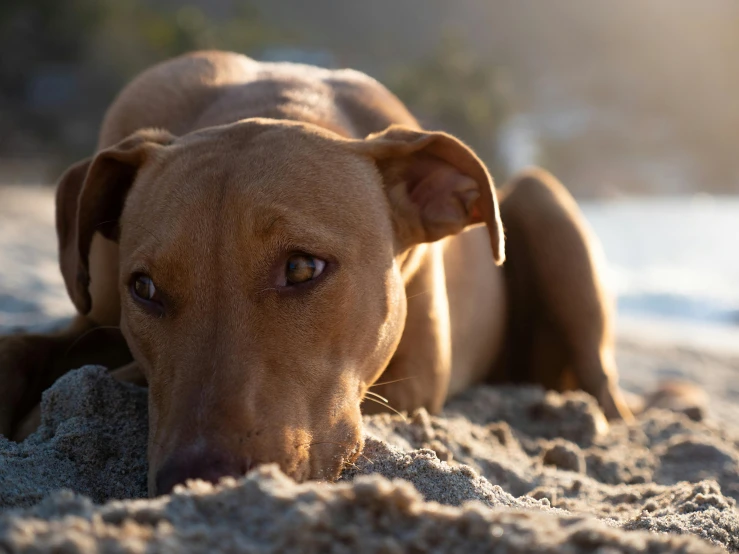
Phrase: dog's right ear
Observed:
(90, 198)
(436, 185)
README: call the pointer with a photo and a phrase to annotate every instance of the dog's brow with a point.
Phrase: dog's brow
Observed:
(271, 222)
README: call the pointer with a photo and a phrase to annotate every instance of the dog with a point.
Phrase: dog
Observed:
(275, 249)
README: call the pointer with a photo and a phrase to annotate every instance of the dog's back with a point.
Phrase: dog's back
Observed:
(210, 88)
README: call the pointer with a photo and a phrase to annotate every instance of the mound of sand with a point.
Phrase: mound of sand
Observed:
(503, 469)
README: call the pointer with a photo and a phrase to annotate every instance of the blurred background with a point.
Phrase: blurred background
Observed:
(633, 104)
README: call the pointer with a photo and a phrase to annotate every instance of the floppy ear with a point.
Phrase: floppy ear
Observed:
(90, 198)
(436, 186)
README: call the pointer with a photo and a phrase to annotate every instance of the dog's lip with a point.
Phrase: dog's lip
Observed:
(345, 460)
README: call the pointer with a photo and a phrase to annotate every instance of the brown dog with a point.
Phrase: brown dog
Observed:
(273, 238)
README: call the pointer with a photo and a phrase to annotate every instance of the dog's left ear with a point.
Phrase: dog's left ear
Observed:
(90, 198)
(435, 184)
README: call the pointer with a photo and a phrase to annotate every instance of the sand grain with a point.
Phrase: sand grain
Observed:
(503, 469)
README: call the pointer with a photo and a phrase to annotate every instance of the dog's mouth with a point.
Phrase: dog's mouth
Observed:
(320, 460)
(327, 460)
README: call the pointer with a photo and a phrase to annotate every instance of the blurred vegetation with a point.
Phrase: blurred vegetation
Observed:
(69, 58)
(605, 96)
(453, 90)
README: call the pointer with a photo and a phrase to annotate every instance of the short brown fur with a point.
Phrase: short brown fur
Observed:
(213, 168)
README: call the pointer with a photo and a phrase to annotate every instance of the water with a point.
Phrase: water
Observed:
(673, 265)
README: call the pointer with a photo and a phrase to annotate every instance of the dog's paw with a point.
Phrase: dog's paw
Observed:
(614, 404)
(680, 396)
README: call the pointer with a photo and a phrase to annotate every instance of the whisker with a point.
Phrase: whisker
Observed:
(366, 458)
(394, 381)
(100, 224)
(385, 400)
(388, 406)
(419, 294)
(86, 333)
(346, 444)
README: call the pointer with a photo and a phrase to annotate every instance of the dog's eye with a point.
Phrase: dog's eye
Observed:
(146, 295)
(302, 267)
(143, 288)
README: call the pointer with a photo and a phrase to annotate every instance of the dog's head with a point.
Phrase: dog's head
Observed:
(260, 285)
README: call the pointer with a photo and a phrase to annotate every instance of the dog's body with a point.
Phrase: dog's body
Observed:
(258, 173)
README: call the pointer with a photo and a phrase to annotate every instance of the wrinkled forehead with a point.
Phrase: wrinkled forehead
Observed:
(260, 180)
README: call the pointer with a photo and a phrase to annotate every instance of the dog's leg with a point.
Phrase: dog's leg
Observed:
(561, 318)
(29, 364)
(419, 372)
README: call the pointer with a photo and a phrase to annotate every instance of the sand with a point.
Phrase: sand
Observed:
(502, 470)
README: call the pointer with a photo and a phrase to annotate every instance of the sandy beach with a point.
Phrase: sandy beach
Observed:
(500, 470)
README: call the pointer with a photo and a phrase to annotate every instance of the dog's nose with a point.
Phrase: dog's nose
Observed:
(206, 464)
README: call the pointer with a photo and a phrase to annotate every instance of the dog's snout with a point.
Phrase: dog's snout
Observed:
(206, 464)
